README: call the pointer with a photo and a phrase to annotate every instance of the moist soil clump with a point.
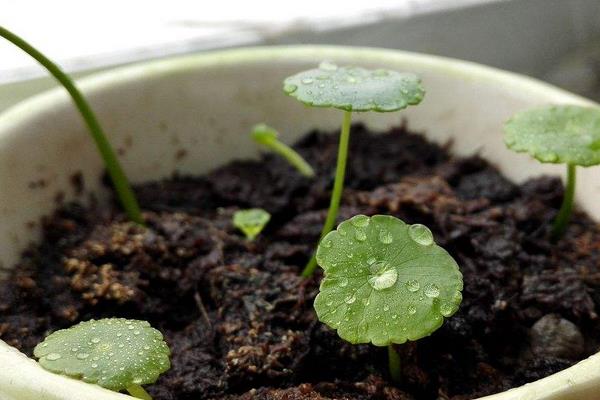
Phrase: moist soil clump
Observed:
(238, 317)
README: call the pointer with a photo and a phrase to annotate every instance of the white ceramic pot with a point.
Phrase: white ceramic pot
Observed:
(206, 105)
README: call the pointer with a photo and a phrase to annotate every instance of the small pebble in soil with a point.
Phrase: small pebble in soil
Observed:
(553, 336)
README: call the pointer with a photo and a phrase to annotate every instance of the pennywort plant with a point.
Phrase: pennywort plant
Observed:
(115, 353)
(111, 162)
(350, 89)
(251, 222)
(567, 135)
(269, 138)
(385, 282)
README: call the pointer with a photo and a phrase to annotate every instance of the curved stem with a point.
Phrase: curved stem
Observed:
(338, 188)
(138, 392)
(394, 364)
(122, 187)
(292, 157)
(562, 218)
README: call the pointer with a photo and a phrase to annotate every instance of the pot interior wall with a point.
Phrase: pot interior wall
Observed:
(193, 114)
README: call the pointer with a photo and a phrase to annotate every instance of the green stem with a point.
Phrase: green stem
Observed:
(292, 157)
(138, 392)
(394, 364)
(338, 188)
(122, 187)
(562, 218)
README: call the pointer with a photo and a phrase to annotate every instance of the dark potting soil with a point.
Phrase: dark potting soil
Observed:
(240, 320)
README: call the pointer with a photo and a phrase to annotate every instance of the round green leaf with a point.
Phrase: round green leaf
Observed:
(385, 281)
(355, 88)
(251, 221)
(557, 134)
(113, 353)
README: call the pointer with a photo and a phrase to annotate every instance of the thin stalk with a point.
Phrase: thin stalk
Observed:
(338, 188)
(120, 182)
(394, 364)
(292, 157)
(562, 218)
(138, 392)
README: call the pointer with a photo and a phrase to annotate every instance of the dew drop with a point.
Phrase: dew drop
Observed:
(431, 290)
(321, 85)
(82, 356)
(386, 308)
(384, 278)
(307, 81)
(351, 298)
(53, 357)
(136, 332)
(95, 340)
(360, 221)
(327, 244)
(328, 66)
(329, 303)
(74, 349)
(411, 309)
(413, 285)
(447, 309)
(343, 282)
(394, 316)
(420, 234)
(360, 235)
(290, 88)
(366, 302)
(131, 327)
(94, 365)
(351, 79)
(385, 237)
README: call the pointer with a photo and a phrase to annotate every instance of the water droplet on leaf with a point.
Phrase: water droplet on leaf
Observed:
(413, 285)
(53, 357)
(290, 88)
(420, 234)
(431, 290)
(385, 237)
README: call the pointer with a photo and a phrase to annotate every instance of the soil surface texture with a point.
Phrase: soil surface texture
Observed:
(240, 320)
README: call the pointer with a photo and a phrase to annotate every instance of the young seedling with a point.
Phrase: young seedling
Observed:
(561, 135)
(251, 222)
(115, 353)
(350, 89)
(385, 282)
(268, 137)
(111, 162)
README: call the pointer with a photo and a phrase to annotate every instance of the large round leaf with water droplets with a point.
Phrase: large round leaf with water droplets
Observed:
(557, 134)
(355, 88)
(113, 353)
(385, 281)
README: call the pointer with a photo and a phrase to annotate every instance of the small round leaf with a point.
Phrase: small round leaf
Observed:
(113, 353)
(557, 134)
(251, 221)
(385, 281)
(355, 88)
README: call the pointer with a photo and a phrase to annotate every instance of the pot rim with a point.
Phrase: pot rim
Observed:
(468, 70)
